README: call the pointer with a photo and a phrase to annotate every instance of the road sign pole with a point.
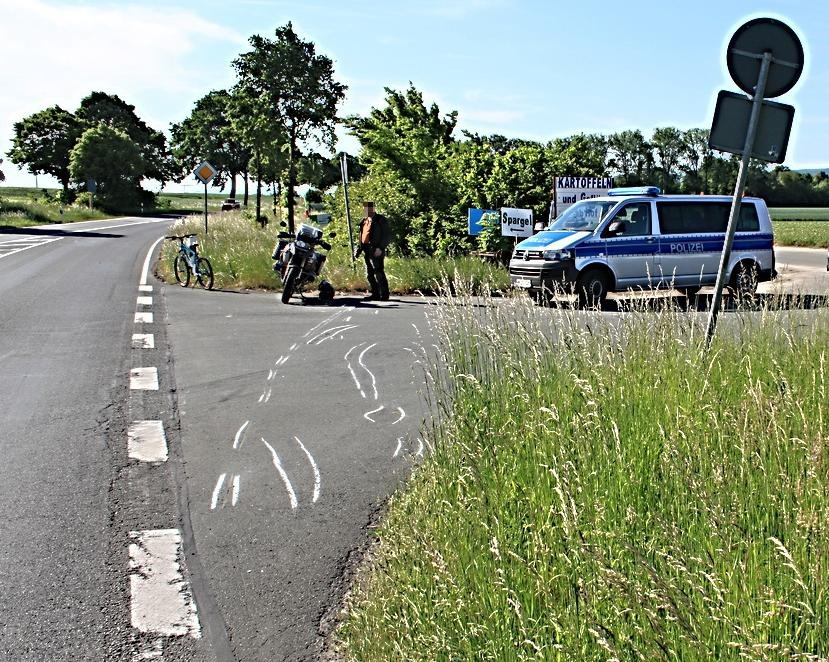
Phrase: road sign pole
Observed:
(344, 173)
(205, 208)
(736, 203)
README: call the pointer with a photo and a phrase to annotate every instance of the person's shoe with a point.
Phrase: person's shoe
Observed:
(384, 297)
(371, 297)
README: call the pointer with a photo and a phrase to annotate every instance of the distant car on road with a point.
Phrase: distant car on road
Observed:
(230, 204)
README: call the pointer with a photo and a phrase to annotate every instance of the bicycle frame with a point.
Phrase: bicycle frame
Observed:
(190, 253)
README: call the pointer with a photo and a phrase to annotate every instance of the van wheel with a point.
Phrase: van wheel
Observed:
(744, 283)
(592, 289)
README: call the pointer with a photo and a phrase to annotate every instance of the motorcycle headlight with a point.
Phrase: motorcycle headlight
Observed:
(301, 244)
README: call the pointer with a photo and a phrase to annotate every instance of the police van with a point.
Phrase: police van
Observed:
(636, 238)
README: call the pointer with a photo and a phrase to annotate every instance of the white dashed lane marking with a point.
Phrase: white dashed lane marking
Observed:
(143, 341)
(144, 379)
(146, 441)
(143, 318)
(145, 288)
(144, 301)
(161, 601)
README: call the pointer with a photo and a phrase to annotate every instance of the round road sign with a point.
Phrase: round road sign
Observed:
(745, 53)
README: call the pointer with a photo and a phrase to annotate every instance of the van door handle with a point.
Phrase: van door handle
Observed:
(650, 240)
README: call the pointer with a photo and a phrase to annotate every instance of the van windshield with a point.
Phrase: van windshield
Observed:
(583, 216)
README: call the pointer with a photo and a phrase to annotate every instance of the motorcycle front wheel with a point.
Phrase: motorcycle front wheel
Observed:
(289, 284)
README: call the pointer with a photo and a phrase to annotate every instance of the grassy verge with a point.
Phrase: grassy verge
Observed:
(813, 234)
(240, 252)
(608, 491)
(23, 207)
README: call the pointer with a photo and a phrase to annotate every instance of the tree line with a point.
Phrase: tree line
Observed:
(422, 172)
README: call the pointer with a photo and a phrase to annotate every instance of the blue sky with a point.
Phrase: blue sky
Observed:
(527, 69)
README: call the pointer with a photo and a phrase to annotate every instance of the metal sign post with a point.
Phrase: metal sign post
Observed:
(344, 173)
(765, 59)
(204, 173)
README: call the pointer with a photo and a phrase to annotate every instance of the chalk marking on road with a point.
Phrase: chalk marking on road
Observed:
(351, 370)
(399, 446)
(146, 441)
(286, 481)
(419, 447)
(144, 301)
(293, 347)
(282, 360)
(268, 395)
(373, 411)
(237, 440)
(144, 379)
(348, 319)
(143, 341)
(214, 500)
(329, 333)
(160, 598)
(402, 415)
(329, 319)
(262, 397)
(145, 288)
(146, 268)
(143, 318)
(270, 375)
(237, 485)
(317, 479)
(370, 373)
(417, 331)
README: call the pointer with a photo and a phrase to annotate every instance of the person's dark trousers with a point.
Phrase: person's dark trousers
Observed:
(376, 274)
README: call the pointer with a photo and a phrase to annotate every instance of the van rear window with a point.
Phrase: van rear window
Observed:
(691, 217)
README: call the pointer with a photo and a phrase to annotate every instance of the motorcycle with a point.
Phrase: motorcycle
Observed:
(298, 263)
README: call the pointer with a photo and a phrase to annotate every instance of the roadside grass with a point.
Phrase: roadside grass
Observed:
(240, 252)
(799, 213)
(600, 488)
(813, 234)
(23, 207)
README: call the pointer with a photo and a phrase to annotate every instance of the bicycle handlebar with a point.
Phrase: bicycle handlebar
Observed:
(180, 237)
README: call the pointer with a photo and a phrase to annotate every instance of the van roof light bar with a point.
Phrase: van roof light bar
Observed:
(636, 190)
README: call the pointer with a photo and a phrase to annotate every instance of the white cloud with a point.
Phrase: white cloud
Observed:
(157, 59)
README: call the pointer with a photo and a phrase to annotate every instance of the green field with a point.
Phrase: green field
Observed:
(609, 491)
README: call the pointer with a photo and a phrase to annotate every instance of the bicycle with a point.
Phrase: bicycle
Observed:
(188, 261)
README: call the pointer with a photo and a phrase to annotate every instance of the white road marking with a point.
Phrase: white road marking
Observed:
(315, 468)
(270, 375)
(373, 411)
(278, 464)
(144, 301)
(327, 334)
(399, 446)
(293, 347)
(214, 500)
(281, 361)
(143, 318)
(160, 597)
(419, 447)
(329, 319)
(363, 366)
(33, 243)
(144, 379)
(402, 415)
(145, 288)
(237, 483)
(146, 441)
(146, 266)
(237, 440)
(417, 331)
(143, 341)
(268, 396)
(351, 370)
(262, 397)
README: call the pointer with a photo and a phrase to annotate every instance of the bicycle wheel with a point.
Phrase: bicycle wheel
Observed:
(182, 270)
(204, 273)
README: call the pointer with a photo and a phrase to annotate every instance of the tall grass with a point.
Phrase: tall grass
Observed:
(240, 252)
(600, 488)
(814, 234)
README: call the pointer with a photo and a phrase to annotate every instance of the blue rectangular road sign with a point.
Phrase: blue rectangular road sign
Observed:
(477, 218)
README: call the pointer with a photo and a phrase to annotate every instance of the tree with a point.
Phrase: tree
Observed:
(631, 157)
(207, 133)
(110, 157)
(2, 176)
(43, 141)
(298, 91)
(110, 109)
(669, 146)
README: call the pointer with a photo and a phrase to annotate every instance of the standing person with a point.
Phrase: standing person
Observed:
(375, 236)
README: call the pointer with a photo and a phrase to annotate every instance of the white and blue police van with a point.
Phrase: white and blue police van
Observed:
(637, 238)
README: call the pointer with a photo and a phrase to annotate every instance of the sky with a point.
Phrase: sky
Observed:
(534, 69)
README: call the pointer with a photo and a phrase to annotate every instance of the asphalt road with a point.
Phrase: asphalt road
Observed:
(191, 475)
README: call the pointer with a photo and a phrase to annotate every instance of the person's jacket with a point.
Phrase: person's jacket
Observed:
(379, 235)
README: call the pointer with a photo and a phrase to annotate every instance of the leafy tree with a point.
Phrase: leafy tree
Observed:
(298, 91)
(110, 157)
(207, 133)
(669, 147)
(110, 109)
(2, 176)
(405, 146)
(695, 162)
(631, 157)
(522, 178)
(43, 141)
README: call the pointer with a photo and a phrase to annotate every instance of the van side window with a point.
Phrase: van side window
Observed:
(636, 220)
(694, 217)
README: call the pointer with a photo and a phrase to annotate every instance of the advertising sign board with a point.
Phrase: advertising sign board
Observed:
(569, 190)
(479, 217)
(516, 222)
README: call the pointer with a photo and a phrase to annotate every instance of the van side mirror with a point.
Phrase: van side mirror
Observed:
(615, 228)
